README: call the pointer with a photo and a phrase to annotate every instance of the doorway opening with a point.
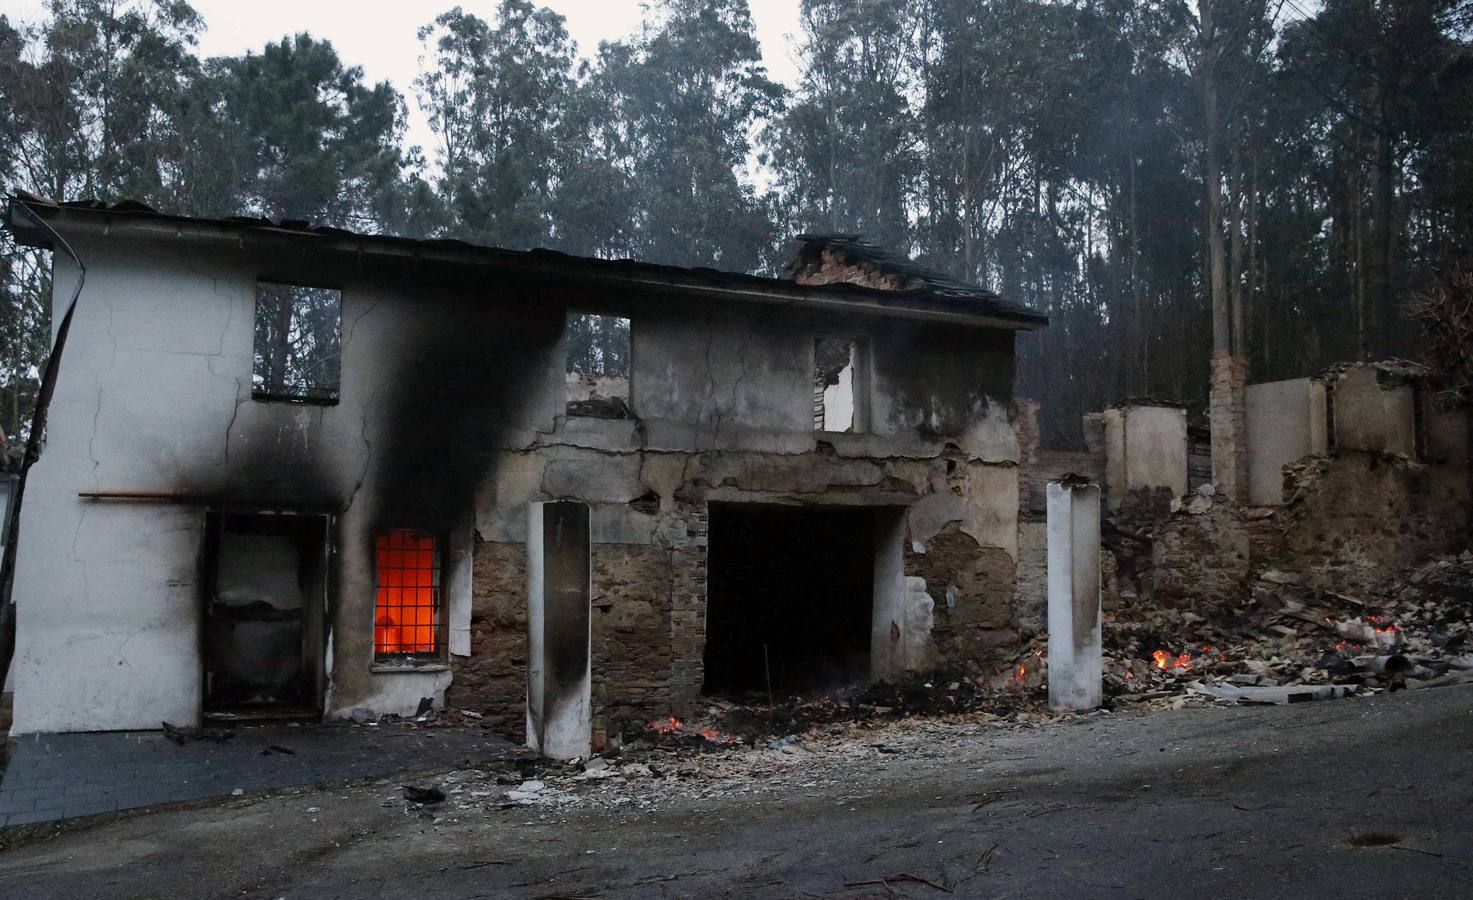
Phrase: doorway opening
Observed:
(790, 598)
(265, 602)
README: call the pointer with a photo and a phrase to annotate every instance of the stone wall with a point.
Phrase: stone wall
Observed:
(1353, 517)
(1200, 556)
(632, 659)
(493, 679)
(976, 623)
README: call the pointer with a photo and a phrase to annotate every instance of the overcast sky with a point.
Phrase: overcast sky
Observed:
(379, 34)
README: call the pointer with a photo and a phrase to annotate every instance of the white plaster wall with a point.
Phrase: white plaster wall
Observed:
(1285, 424)
(1156, 448)
(1145, 449)
(1372, 417)
(1116, 483)
(154, 395)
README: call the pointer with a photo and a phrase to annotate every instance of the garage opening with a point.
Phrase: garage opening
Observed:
(790, 596)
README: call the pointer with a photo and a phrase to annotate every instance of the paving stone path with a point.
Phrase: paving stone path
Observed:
(61, 776)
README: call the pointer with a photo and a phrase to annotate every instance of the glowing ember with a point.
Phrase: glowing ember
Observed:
(665, 726)
(1165, 660)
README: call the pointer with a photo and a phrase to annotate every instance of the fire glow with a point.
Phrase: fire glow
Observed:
(1165, 660)
(673, 725)
(666, 726)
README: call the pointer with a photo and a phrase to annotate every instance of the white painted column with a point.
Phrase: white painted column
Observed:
(559, 623)
(1075, 662)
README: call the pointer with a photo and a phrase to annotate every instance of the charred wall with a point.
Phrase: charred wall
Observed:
(450, 419)
(722, 404)
(155, 398)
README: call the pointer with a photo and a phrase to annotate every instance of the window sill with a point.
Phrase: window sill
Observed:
(381, 668)
(294, 399)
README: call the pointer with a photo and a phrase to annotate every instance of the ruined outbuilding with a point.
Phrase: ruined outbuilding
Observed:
(296, 471)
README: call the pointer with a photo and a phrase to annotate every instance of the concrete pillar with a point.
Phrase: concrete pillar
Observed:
(559, 623)
(1228, 412)
(888, 624)
(1075, 662)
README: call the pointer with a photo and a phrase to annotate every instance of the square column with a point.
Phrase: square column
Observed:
(1228, 414)
(559, 624)
(1075, 661)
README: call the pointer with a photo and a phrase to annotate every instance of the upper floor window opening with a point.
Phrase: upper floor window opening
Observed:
(298, 343)
(598, 366)
(840, 385)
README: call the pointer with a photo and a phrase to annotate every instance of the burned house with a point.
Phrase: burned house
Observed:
(297, 471)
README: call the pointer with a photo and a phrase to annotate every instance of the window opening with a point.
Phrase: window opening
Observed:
(838, 385)
(598, 366)
(407, 613)
(298, 345)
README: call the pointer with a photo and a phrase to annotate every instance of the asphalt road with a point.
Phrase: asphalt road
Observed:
(1355, 798)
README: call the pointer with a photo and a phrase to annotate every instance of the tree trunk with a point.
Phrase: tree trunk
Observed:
(1384, 211)
(1235, 257)
(1212, 174)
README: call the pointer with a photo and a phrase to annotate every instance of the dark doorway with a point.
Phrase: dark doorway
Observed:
(264, 613)
(790, 592)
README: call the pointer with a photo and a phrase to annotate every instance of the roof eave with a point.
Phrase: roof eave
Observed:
(740, 287)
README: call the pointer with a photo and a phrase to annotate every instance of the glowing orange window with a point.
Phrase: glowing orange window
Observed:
(407, 615)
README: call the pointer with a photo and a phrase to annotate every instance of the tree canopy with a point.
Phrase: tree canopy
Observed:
(1162, 177)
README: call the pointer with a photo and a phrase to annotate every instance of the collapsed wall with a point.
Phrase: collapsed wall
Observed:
(1351, 474)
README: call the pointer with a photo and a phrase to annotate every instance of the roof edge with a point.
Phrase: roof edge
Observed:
(151, 224)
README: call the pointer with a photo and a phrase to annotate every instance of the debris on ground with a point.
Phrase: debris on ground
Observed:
(1414, 631)
(416, 794)
(1286, 643)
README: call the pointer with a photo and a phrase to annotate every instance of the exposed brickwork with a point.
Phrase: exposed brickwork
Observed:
(972, 586)
(835, 268)
(631, 633)
(1199, 558)
(688, 611)
(1353, 517)
(493, 680)
(1228, 412)
(1026, 423)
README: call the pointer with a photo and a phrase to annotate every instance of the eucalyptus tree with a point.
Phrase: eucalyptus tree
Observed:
(845, 151)
(681, 101)
(500, 97)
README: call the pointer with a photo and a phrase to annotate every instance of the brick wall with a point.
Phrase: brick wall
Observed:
(688, 611)
(632, 587)
(972, 586)
(634, 634)
(1228, 411)
(493, 679)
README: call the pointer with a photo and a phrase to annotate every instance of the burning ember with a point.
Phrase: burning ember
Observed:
(1165, 660)
(673, 725)
(665, 726)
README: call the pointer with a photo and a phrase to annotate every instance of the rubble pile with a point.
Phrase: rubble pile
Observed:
(1412, 631)
(1286, 641)
(658, 769)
